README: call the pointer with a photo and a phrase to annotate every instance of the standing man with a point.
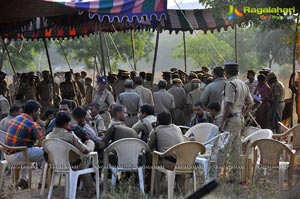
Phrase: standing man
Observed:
(236, 95)
(213, 92)
(251, 81)
(66, 88)
(24, 131)
(44, 91)
(163, 100)
(105, 99)
(179, 94)
(145, 93)
(192, 98)
(14, 111)
(277, 101)
(132, 101)
(4, 105)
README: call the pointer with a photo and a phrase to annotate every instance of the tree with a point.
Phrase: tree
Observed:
(22, 54)
(205, 50)
(87, 49)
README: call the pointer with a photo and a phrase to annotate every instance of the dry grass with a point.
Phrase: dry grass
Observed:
(265, 187)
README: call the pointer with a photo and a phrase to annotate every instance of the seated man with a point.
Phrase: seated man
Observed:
(61, 131)
(14, 111)
(216, 117)
(24, 131)
(146, 121)
(200, 116)
(97, 121)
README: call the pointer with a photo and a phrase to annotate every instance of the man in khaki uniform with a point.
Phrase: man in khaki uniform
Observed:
(61, 132)
(89, 90)
(105, 99)
(118, 86)
(179, 94)
(277, 101)
(44, 91)
(236, 95)
(192, 97)
(80, 88)
(188, 86)
(145, 93)
(132, 101)
(163, 100)
(66, 88)
(167, 76)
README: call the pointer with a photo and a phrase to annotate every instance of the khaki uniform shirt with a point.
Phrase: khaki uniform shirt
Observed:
(45, 90)
(89, 91)
(71, 138)
(131, 100)
(118, 87)
(179, 96)
(213, 92)
(164, 137)
(237, 93)
(146, 95)
(163, 101)
(144, 125)
(193, 97)
(4, 105)
(104, 98)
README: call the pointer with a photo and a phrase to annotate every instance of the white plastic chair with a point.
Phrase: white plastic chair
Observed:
(58, 156)
(128, 151)
(201, 131)
(185, 154)
(212, 148)
(248, 153)
(271, 153)
(249, 130)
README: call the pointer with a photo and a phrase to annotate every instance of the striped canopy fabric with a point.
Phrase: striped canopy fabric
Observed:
(120, 10)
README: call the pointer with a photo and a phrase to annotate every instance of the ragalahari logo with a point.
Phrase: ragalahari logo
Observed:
(234, 13)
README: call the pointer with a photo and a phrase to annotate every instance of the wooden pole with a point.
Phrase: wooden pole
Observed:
(102, 53)
(108, 54)
(235, 44)
(184, 51)
(9, 57)
(49, 64)
(133, 48)
(155, 54)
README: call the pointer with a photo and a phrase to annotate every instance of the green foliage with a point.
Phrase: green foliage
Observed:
(118, 44)
(22, 54)
(202, 50)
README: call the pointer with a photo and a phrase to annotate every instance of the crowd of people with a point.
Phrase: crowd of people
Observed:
(128, 105)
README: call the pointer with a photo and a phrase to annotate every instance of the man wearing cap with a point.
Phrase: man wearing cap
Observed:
(163, 100)
(132, 101)
(148, 82)
(167, 76)
(80, 87)
(66, 88)
(118, 86)
(105, 99)
(188, 86)
(44, 91)
(213, 92)
(276, 101)
(145, 93)
(236, 95)
(180, 100)
(3, 84)
(192, 97)
(89, 90)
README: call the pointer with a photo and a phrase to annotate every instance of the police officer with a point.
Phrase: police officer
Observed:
(105, 99)
(163, 100)
(132, 101)
(66, 88)
(236, 95)
(180, 101)
(44, 91)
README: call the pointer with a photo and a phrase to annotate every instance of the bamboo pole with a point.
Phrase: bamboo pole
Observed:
(184, 51)
(9, 57)
(235, 44)
(49, 64)
(108, 54)
(102, 53)
(133, 48)
(155, 54)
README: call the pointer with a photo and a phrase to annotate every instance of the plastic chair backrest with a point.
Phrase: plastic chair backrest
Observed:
(296, 136)
(260, 134)
(128, 151)
(201, 131)
(217, 143)
(270, 151)
(249, 130)
(186, 153)
(58, 153)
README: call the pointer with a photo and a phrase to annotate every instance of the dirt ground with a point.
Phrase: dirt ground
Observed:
(266, 187)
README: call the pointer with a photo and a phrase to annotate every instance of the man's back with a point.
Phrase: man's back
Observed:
(163, 101)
